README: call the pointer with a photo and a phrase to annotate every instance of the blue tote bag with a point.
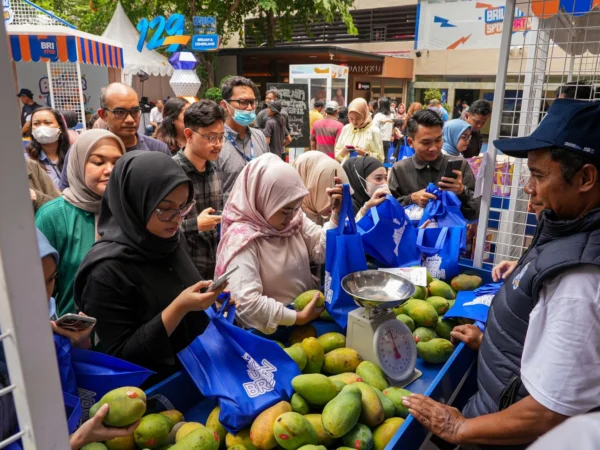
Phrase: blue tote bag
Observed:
(440, 248)
(405, 151)
(244, 372)
(388, 235)
(344, 254)
(474, 305)
(445, 212)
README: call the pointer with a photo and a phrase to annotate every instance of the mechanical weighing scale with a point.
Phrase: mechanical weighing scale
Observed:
(373, 330)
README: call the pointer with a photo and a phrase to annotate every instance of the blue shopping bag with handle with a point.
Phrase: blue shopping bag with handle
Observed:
(445, 212)
(388, 235)
(440, 248)
(405, 151)
(474, 305)
(344, 254)
(244, 372)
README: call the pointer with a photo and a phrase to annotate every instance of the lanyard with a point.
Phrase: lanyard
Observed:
(243, 155)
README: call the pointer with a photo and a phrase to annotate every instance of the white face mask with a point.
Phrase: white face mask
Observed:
(372, 187)
(46, 135)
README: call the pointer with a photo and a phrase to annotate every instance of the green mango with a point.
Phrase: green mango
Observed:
(315, 388)
(322, 437)
(372, 374)
(406, 320)
(298, 354)
(326, 316)
(384, 433)
(423, 334)
(94, 446)
(293, 431)
(371, 412)
(435, 351)
(388, 406)
(422, 313)
(304, 299)
(340, 360)
(199, 439)
(396, 395)
(440, 304)
(127, 405)
(438, 288)
(341, 414)
(444, 327)
(153, 431)
(313, 447)
(359, 437)
(314, 355)
(420, 292)
(465, 282)
(121, 443)
(332, 341)
(213, 423)
(299, 405)
(298, 334)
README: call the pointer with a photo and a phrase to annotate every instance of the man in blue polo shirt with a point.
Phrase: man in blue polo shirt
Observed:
(538, 361)
(120, 108)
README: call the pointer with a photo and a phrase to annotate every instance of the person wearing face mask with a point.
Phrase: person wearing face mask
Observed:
(457, 135)
(266, 234)
(139, 281)
(317, 171)
(242, 144)
(49, 142)
(69, 222)
(368, 179)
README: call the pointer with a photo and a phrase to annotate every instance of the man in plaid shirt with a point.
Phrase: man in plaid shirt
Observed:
(204, 133)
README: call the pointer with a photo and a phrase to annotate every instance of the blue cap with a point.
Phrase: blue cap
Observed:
(570, 124)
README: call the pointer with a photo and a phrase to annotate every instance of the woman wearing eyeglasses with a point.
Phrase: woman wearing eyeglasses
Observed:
(69, 221)
(139, 281)
(457, 135)
(204, 133)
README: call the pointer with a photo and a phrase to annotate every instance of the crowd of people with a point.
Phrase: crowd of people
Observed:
(147, 222)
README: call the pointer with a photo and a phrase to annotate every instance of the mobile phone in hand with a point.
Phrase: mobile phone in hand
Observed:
(453, 164)
(75, 322)
(221, 280)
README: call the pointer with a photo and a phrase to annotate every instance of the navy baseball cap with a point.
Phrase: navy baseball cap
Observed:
(25, 92)
(570, 124)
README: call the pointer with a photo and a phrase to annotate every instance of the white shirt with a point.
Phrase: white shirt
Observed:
(577, 433)
(156, 116)
(560, 366)
(385, 125)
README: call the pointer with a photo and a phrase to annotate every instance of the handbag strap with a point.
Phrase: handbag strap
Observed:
(213, 313)
(439, 243)
(347, 212)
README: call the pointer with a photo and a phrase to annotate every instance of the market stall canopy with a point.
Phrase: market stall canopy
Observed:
(573, 25)
(121, 29)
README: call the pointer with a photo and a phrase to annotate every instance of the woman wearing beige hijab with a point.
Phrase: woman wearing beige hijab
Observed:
(360, 137)
(69, 222)
(317, 171)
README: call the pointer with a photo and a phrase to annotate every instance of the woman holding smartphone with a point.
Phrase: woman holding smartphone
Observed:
(141, 264)
(360, 137)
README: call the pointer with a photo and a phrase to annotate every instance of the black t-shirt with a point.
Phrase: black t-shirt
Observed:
(275, 129)
(27, 110)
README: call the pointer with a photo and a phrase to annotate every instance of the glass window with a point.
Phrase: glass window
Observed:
(338, 92)
(318, 91)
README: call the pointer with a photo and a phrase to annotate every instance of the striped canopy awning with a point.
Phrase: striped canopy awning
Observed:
(29, 48)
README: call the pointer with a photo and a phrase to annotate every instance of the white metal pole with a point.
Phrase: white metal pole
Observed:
(490, 155)
(50, 83)
(29, 347)
(80, 92)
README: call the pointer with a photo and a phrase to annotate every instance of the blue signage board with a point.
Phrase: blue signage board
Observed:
(205, 42)
(205, 24)
(47, 47)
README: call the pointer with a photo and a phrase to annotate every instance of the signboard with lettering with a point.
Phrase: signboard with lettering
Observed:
(9, 14)
(205, 25)
(363, 86)
(373, 68)
(294, 98)
(205, 42)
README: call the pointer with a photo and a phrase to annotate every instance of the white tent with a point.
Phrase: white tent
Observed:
(121, 29)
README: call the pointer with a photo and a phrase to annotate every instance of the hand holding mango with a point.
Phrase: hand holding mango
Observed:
(94, 430)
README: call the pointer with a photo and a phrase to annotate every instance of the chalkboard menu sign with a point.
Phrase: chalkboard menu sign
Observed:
(294, 98)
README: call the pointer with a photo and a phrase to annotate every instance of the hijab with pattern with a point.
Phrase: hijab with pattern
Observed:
(357, 168)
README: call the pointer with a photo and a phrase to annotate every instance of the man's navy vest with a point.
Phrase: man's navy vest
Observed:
(556, 247)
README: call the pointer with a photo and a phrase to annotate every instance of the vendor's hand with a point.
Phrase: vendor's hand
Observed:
(377, 199)
(206, 222)
(469, 334)
(360, 151)
(79, 339)
(32, 195)
(503, 270)
(442, 420)
(94, 430)
(421, 198)
(453, 184)
(335, 195)
(193, 300)
(310, 312)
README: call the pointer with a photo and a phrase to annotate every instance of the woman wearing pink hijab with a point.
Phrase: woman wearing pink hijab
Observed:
(266, 234)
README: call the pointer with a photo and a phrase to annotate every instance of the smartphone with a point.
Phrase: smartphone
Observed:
(453, 164)
(75, 322)
(218, 212)
(221, 280)
(350, 147)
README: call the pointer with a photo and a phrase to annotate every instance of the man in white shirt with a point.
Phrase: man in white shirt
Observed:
(539, 359)
(156, 116)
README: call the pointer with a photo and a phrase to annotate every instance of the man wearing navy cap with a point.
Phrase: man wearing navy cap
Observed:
(539, 359)
(29, 106)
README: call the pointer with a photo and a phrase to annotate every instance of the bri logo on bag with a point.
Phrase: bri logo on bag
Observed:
(398, 233)
(481, 300)
(262, 377)
(328, 291)
(433, 264)
(517, 279)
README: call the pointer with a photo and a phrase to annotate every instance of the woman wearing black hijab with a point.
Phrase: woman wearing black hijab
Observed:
(368, 179)
(139, 281)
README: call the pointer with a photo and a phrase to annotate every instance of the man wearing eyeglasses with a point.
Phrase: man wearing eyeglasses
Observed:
(477, 115)
(242, 144)
(120, 109)
(204, 133)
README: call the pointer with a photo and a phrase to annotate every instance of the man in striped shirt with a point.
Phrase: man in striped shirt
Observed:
(326, 130)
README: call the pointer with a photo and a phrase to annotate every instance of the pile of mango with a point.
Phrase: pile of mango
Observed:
(423, 315)
(166, 430)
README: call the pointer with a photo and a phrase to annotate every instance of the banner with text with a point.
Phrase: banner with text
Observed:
(294, 98)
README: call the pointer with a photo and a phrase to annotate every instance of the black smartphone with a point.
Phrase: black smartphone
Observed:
(453, 164)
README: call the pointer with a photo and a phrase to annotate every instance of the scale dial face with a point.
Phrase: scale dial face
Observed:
(395, 349)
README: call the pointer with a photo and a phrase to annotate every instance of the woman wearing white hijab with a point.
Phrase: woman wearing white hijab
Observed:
(69, 222)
